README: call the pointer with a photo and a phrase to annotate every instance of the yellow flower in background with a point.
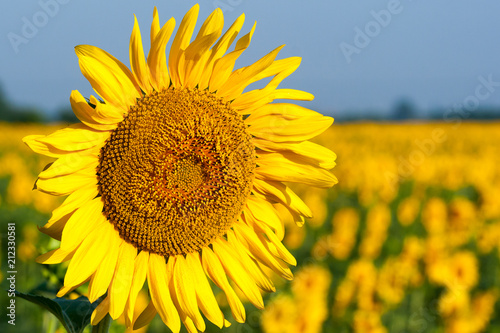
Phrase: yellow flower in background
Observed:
(460, 325)
(489, 194)
(463, 314)
(482, 308)
(173, 174)
(394, 277)
(362, 272)
(408, 210)
(378, 220)
(462, 221)
(26, 249)
(454, 303)
(345, 226)
(368, 322)
(316, 199)
(311, 282)
(362, 277)
(413, 249)
(306, 310)
(436, 259)
(489, 237)
(11, 164)
(344, 295)
(280, 315)
(435, 215)
(462, 271)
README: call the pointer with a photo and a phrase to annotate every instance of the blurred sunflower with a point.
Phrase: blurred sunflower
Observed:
(173, 174)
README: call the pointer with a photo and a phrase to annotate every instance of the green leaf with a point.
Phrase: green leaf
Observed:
(74, 315)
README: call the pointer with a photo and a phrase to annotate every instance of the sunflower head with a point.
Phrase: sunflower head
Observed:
(174, 174)
(186, 159)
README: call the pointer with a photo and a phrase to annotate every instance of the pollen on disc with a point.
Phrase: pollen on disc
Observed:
(176, 172)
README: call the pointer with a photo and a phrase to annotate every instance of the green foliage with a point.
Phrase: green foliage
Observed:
(74, 315)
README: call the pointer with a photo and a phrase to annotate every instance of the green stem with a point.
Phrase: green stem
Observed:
(103, 325)
(52, 322)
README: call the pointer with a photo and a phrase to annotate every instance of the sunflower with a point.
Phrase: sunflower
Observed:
(173, 172)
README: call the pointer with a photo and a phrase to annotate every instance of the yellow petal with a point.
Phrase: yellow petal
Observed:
(183, 286)
(250, 240)
(89, 255)
(67, 184)
(237, 272)
(155, 25)
(204, 294)
(214, 269)
(68, 164)
(281, 250)
(275, 166)
(283, 122)
(280, 68)
(61, 214)
(122, 280)
(254, 99)
(189, 324)
(306, 151)
(56, 256)
(239, 79)
(145, 317)
(248, 102)
(100, 281)
(197, 53)
(111, 79)
(160, 294)
(224, 66)
(137, 59)
(157, 60)
(218, 50)
(41, 148)
(55, 228)
(68, 289)
(89, 115)
(100, 312)
(140, 272)
(262, 211)
(86, 219)
(294, 94)
(72, 202)
(180, 43)
(260, 278)
(282, 193)
(113, 114)
(77, 137)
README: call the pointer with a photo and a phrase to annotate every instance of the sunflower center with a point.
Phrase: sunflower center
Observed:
(176, 172)
(187, 175)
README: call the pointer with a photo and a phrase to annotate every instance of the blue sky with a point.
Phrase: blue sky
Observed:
(357, 56)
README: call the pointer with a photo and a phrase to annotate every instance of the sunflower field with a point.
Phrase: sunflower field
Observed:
(407, 241)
